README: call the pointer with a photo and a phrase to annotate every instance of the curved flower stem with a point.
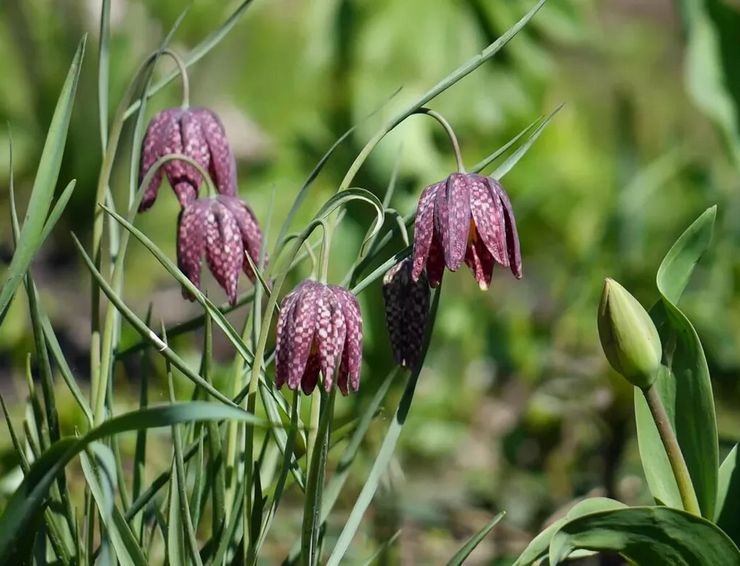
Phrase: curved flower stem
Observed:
(673, 450)
(450, 134)
(183, 75)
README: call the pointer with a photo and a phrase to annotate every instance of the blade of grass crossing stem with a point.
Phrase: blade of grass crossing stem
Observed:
(341, 473)
(44, 184)
(383, 548)
(181, 483)
(31, 493)
(213, 311)
(461, 555)
(514, 158)
(100, 474)
(103, 71)
(198, 52)
(315, 484)
(58, 209)
(147, 333)
(486, 161)
(386, 450)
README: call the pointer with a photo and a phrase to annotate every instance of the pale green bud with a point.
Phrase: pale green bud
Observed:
(628, 336)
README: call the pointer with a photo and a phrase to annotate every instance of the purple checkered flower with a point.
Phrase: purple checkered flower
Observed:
(319, 328)
(406, 311)
(222, 228)
(196, 133)
(469, 218)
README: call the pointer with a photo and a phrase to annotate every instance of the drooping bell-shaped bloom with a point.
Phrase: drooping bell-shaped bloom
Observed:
(466, 217)
(319, 328)
(222, 228)
(196, 133)
(406, 311)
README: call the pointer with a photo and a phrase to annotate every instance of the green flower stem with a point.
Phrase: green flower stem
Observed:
(673, 450)
(315, 481)
(313, 425)
(450, 134)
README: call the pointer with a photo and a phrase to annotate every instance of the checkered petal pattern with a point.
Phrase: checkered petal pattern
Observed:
(224, 249)
(406, 312)
(248, 228)
(191, 241)
(466, 217)
(196, 133)
(319, 327)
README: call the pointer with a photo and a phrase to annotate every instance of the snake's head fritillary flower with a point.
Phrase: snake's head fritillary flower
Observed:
(406, 311)
(318, 330)
(222, 228)
(466, 217)
(196, 133)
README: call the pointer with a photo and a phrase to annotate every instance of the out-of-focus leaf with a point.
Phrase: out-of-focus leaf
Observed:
(728, 496)
(462, 554)
(686, 389)
(538, 547)
(655, 536)
(43, 185)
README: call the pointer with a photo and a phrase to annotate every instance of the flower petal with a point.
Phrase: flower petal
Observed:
(222, 164)
(349, 368)
(436, 262)
(284, 343)
(310, 374)
(194, 145)
(424, 228)
(191, 241)
(452, 218)
(224, 250)
(248, 227)
(301, 329)
(488, 214)
(151, 151)
(331, 331)
(480, 261)
(512, 237)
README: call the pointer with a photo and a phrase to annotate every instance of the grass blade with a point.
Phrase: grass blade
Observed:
(461, 555)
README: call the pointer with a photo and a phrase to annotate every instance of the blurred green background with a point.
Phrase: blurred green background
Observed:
(516, 408)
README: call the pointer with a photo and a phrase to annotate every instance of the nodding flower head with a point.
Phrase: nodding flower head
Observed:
(319, 328)
(224, 229)
(468, 218)
(406, 311)
(196, 133)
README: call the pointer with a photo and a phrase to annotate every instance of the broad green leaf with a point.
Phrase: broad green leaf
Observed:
(461, 555)
(653, 536)
(686, 389)
(728, 496)
(100, 475)
(44, 184)
(538, 547)
(30, 495)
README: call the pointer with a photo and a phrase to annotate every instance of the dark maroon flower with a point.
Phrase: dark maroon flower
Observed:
(196, 133)
(469, 218)
(319, 326)
(406, 312)
(223, 228)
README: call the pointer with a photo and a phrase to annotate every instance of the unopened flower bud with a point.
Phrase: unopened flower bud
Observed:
(628, 336)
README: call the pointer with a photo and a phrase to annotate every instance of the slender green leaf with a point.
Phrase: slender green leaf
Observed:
(58, 209)
(44, 184)
(175, 530)
(103, 71)
(728, 496)
(658, 536)
(31, 493)
(462, 554)
(686, 389)
(382, 548)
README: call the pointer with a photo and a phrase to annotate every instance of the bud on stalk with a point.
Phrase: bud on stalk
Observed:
(628, 336)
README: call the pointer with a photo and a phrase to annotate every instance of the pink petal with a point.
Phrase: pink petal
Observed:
(222, 164)
(310, 374)
(488, 214)
(151, 151)
(194, 146)
(224, 250)
(512, 237)
(436, 262)
(284, 343)
(191, 241)
(249, 229)
(481, 262)
(424, 228)
(452, 218)
(331, 331)
(349, 368)
(301, 330)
